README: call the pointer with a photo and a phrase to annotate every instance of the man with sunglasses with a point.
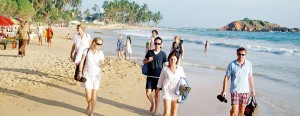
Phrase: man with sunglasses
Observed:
(240, 72)
(155, 59)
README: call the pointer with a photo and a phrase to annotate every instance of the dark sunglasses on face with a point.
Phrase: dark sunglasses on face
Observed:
(99, 44)
(241, 54)
(157, 43)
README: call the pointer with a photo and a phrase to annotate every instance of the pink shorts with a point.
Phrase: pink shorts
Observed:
(239, 98)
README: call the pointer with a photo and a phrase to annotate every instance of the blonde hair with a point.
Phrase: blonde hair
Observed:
(97, 38)
(177, 37)
(82, 26)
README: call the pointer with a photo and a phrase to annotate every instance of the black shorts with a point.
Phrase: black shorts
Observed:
(151, 83)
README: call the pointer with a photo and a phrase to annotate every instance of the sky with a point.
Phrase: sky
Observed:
(218, 13)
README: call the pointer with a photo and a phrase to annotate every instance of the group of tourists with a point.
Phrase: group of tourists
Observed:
(164, 72)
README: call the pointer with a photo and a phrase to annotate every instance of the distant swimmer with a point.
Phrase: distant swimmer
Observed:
(206, 45)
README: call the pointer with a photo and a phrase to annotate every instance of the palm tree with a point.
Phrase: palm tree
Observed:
(157, 17)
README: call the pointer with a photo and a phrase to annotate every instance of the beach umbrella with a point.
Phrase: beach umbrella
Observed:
(9, 21)
(16, 22)
(4, 22)
(19, 19)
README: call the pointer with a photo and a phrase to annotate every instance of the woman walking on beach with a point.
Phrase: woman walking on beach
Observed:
(49, 35)
(120, 47)
(178, 47)
(89, 68)
(81, 41)
(168, 81)
(128, 48)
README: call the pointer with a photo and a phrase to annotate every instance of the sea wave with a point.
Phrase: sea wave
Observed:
(257, 48)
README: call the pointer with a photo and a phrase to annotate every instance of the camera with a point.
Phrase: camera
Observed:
(222, 98)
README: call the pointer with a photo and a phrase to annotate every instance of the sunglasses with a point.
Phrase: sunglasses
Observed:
(99, 44)
(241, 54)
(157, 43)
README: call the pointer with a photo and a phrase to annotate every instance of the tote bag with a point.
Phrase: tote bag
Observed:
(251, 109)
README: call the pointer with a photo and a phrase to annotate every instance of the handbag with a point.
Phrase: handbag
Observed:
(251, 109)
(145, 69)
(82, 79)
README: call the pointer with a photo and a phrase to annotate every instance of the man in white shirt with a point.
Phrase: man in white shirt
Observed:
(151, 40)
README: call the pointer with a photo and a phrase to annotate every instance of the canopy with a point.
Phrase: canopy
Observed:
(16, 22)
(5, 21)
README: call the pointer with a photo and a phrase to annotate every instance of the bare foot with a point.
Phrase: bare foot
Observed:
(88, 110)
(155, 113)
(151, 109)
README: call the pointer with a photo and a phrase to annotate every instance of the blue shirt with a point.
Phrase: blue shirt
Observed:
(156, 65)
(239, 76)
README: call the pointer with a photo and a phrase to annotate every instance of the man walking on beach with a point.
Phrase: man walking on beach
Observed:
(155, 59)
(240, 72)
(151, 40)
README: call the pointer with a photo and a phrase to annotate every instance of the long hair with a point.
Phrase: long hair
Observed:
(174, 53)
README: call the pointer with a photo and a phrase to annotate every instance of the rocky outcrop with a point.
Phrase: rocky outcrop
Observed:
(256, 25)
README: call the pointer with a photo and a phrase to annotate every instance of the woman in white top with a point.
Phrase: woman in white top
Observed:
(81, 41)
(91, 59)
(168, 81)
(128, 48)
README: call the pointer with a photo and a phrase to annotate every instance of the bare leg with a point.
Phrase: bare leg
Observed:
(156, 102)
(233, 110)
(125, 54)
(129, 56)
(241, 110)
(88, 100)
(93, 101)
(150, 98)
(167, 107)
(174, 107)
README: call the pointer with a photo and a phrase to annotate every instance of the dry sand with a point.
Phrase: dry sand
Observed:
(41, 83)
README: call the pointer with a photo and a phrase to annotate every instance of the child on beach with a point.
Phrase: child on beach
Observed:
(120, 47)
(128, 48)
(168, 81)
(89, 68)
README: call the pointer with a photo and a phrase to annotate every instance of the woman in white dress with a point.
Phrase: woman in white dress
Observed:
(168, 81)
(91, 59)
(128, 48)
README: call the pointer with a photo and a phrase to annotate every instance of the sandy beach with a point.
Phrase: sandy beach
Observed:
(41, 83)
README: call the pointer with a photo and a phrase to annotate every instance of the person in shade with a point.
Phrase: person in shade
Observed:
(242, 85)
(155, 59)
(81, 41)
(3, 37)
(151, 40)
(91, 59)
(168, 81)
(177, 46)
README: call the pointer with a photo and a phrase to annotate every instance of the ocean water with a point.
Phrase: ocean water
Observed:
(275, 57)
